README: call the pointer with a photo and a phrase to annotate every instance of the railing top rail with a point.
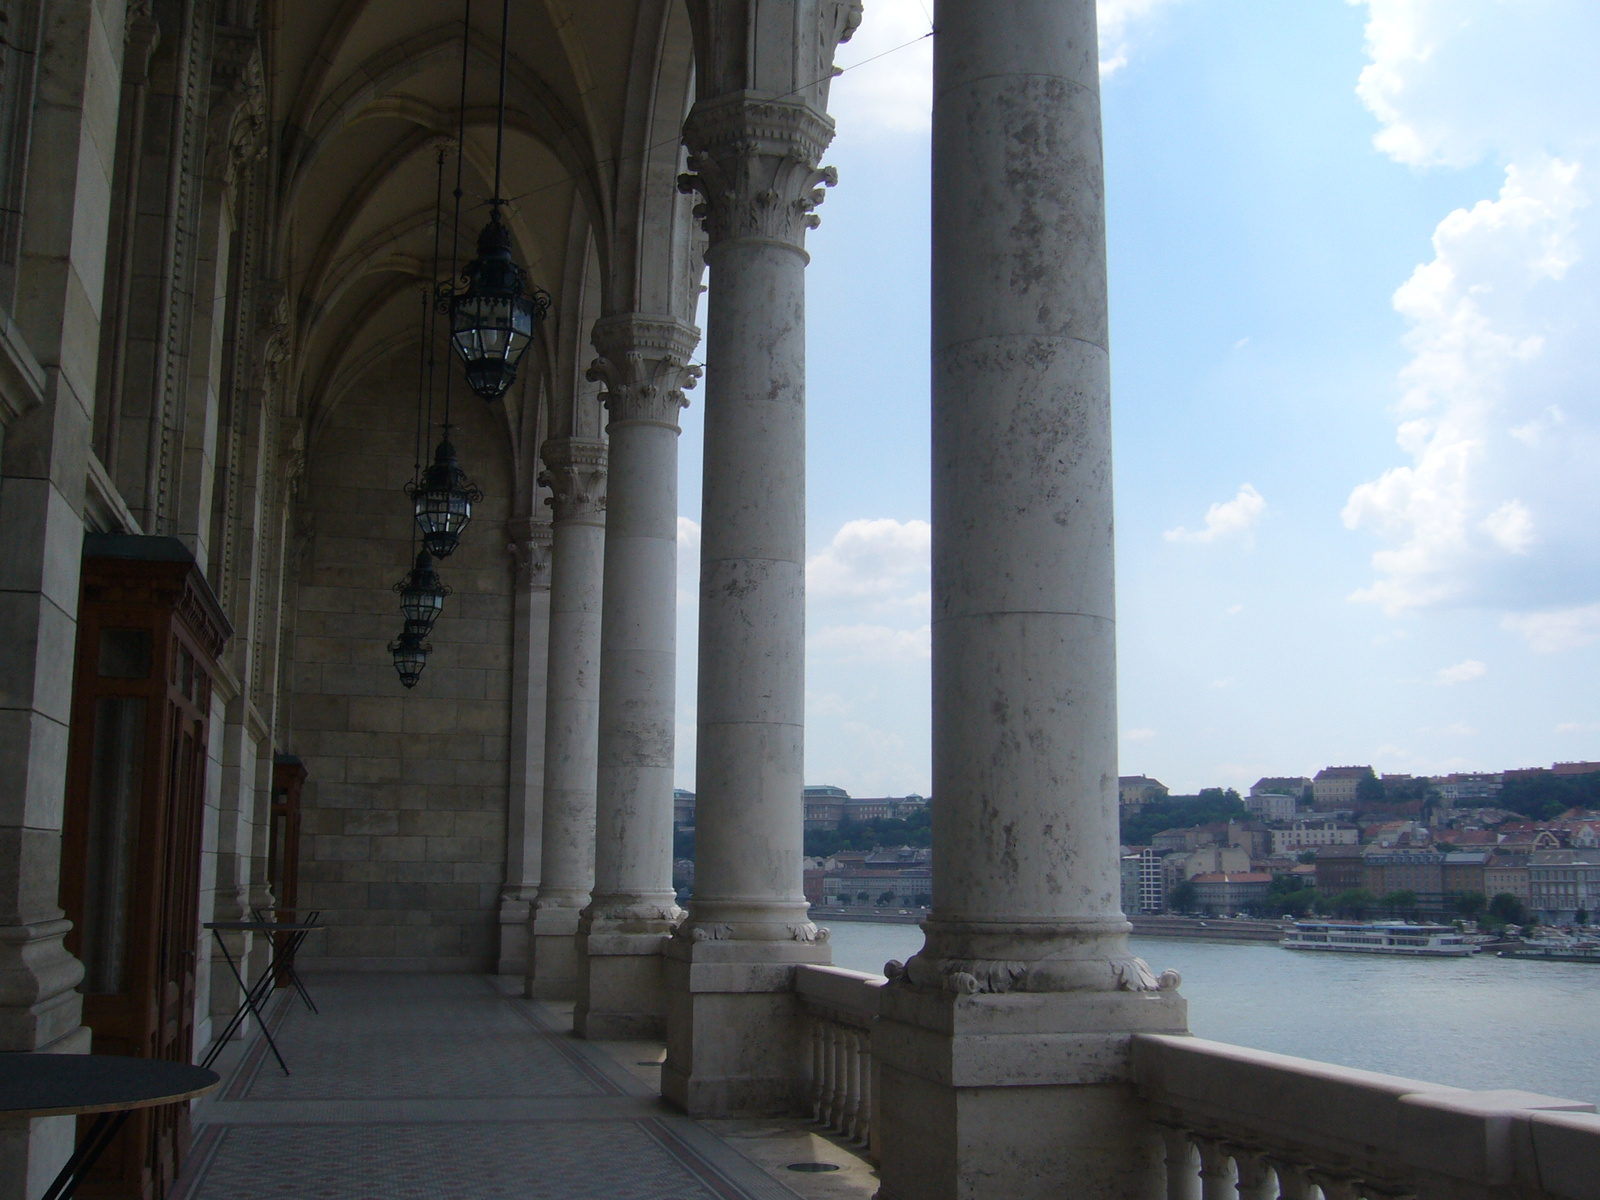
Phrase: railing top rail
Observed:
(1383, 1128)
(853, 994)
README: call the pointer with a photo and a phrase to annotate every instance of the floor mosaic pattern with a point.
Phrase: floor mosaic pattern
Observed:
(447, 1087)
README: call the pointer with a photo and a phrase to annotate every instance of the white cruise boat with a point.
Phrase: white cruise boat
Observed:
(1379, 937)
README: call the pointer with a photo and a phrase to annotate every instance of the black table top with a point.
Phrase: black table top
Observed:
(48, 1085)
(265, 926)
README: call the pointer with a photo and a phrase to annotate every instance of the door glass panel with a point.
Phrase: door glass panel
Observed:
(124, 654)
(115, 780)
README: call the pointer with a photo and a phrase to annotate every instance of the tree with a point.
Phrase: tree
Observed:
(1355, 903)
(863, 897)
(1403, 902)
(1506, 908)
(1471, 904)
(1211, 806)
(1184, 897)
(1544, 797)
(1369, 789)
(924, 900)
(886, 897)
(1306, 857)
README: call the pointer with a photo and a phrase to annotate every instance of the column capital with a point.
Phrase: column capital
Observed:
(576, 477)
(530, 552)
(756, 166)
(644, 365)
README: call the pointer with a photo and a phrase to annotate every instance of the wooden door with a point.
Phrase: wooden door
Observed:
(148, 635)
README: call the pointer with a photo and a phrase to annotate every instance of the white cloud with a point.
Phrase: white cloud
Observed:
(1493, 509)
(1578, 727)
(1237, 516)
(887, 85)
(1561, 629)
(873, 643)
(1462, 672)
(1138, 735)
(876, 562)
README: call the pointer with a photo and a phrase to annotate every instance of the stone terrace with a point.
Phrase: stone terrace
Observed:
(450, 1087)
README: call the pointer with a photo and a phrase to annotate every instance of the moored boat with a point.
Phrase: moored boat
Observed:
(1379, 937)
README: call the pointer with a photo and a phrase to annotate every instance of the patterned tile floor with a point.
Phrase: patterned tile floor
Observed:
(452, 1087)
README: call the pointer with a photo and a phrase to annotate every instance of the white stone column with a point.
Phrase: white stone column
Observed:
(644, 365)
(576, 477)
(734, 1031)
(530, 653)
(1004, 1042)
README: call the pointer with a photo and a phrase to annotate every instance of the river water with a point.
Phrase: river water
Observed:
(1479, 1022)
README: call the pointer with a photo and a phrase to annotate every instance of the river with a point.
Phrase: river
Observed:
(1479, 1022)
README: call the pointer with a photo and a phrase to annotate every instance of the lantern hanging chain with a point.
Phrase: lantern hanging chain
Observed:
(438, 234)
(500, 111)
(461, 154)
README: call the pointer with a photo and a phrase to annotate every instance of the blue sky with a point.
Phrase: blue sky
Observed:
(1354, 393)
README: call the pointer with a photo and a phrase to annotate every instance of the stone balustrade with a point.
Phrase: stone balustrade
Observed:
(1265, 1126)
(840, 1007)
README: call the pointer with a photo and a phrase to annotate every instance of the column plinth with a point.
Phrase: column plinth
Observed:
(1003, 1044)
(576, 477)
(734, 1028)
(644, 366)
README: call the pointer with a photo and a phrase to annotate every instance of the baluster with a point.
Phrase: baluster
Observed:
(1293, 1181)
(1216, 1170)
(865, 1117)
(1183, 1176)
(818, 1071)
(1257, 1181)
(1336, 1187)
(841, 1078)
(829, 1084)
(852, 1075)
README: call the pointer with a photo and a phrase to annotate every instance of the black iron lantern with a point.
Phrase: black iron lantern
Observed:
(443, 500)
(410, 653)
(422, 593)
(493, 315)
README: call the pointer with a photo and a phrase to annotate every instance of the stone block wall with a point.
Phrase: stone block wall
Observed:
(404, 808)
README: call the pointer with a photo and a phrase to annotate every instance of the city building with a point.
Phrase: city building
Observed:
(1207, 860)
(1468, 789)
(1464, 872)
(1281, 785)
(1564, 885)
(1416, 869)
(1272, 806)
(824, 806)
(1506, 873)
(1335, 787)
(1339, 869)
(1132, 902)
(1307, 834)
(1152, 881)
(1224, 893)
(881, 887)
(682, 809)
(1171, 840)
(827, 806)
(1135, 791)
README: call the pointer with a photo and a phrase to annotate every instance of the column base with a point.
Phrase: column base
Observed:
(515, 910)
(621, 989)
(553, 954)
(1025, 1095)
(734, 1034)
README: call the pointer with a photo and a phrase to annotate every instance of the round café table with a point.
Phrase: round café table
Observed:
(66, 1085)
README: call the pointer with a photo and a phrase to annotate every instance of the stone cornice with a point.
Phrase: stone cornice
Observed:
(576, 477)
(530, 552)
(644, 365)
(22, 379)
(755, 165)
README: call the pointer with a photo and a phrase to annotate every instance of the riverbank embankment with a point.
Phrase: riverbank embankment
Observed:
(1206, 929)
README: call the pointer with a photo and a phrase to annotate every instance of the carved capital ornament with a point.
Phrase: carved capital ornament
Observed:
(644, 367)
(576, 476)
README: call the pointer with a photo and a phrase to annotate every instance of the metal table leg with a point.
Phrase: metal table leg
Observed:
(88, 1151)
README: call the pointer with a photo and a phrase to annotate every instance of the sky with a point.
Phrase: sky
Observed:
(1355, 382)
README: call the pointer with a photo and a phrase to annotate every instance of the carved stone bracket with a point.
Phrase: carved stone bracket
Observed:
(755, 166)
(530, 551)
(576, 477)
(238, 115)
(644, 365)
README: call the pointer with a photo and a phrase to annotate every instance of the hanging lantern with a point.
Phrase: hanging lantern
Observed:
(422, 593)
(443, 500)
(410, 655)
(492, 317)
